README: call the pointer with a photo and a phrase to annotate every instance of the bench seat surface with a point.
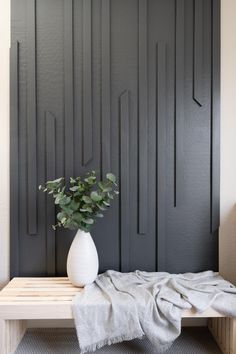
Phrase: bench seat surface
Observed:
(49, 298)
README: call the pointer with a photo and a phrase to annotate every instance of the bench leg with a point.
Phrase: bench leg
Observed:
(223, 330)
(11, 333)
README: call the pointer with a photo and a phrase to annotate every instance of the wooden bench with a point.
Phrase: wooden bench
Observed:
(50, 298)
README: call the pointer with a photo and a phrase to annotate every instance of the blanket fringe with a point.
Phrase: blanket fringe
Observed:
(102, 343)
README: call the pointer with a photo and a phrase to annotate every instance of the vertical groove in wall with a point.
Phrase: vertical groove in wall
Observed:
(179, 103)
(161, 152)
(50, 127)
(142, 119)
(31, 119)
(87, 152)
(14, 158)
(124, 178)
(69, 88)
(105, 87)
(215, 115)
(198, 51)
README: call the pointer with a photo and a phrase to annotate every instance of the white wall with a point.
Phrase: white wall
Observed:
(228, 141)
(4, 139)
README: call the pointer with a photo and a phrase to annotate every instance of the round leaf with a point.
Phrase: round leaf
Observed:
(95, 197)
(111, 177)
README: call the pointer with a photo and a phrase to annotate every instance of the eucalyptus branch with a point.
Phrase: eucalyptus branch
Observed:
(82, 201)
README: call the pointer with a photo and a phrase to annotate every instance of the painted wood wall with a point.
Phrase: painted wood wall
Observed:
(128, 86)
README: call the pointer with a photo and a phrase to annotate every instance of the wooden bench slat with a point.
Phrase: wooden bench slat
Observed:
(35, 298)
(20, 290)
(39, 293)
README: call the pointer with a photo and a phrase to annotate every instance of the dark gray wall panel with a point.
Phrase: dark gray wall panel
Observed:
(128, 86)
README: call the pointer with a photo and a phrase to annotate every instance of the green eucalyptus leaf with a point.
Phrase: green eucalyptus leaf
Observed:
(86, 209)
(74, 205)
(71, 225)
(61, 215)
(58, 199)
(74, 188)
(88, 221)
(101, 185)
(66, 209)
(111, 177)
(95, 196)
(86, 199)
(89, 209)
(101, 207)
(77, 217)
(90, 179)
(107, 189)
(63, 220)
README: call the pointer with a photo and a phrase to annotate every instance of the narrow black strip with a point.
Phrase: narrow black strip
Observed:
(105, 88)
(198, 52)
(124, 179)
(142, 120)
(69, 88)
(161, 152)
(87, 83)
(31, 119)
(179, 104)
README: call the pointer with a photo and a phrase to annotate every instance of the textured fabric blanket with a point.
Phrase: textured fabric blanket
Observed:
(124, 306)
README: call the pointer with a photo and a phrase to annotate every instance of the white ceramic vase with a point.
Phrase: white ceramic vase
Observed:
(82, 260)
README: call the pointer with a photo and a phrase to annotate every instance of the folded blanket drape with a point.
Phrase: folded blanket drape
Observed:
(123, 306)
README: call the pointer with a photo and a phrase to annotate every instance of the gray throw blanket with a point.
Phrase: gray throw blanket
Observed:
(124, 306)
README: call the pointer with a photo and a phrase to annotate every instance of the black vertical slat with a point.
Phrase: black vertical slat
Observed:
(215, 116)
(31, 119)
(161, 153)
(198, 51)
(14, 158)
(87, 83)
(124, 179)
(105, 87)
(50, 122)
(179, 104)
(69, 88)
(143, 119)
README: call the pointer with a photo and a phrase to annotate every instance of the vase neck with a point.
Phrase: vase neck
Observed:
(82, 233)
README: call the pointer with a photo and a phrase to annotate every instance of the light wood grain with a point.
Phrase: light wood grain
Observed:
(51, 298)
(11, 333)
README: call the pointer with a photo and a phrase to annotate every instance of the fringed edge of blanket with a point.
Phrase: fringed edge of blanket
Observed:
(102, 343)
